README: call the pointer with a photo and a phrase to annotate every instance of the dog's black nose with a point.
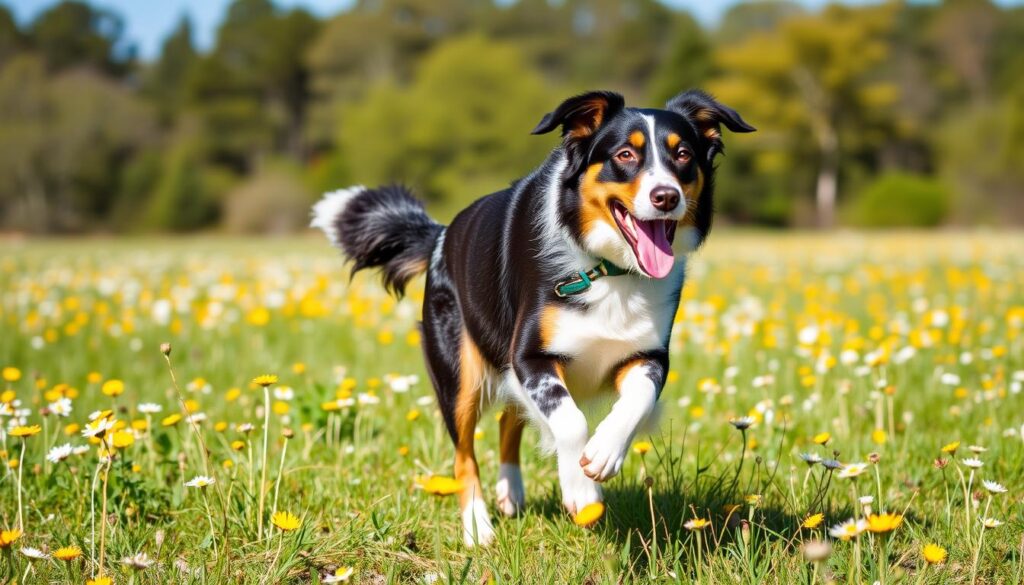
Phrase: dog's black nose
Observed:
(665, 198)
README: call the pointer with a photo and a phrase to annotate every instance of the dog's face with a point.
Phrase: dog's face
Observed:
(635, 178)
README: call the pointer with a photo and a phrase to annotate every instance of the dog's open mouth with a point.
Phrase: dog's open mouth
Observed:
(651, 240)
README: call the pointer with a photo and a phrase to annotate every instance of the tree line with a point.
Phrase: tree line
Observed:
(873, 115)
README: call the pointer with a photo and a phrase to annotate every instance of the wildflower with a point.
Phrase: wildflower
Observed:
(752, 499)
(200, 481)
(991, 522)
(67, 553)
(412, 415)
(832, 464)
(112, 388)
(442, 486)
(9, 537)
(11, 374)
(98, 428)
(743, 423)
(977, 449)
(852, 470)
(138, 561)
(933, 554)
(237, 445)
(810, 458)
(822, 438)
(286, 521)
(816, 551)
(265, 380)
(849, 529)
(122, 439)
(589, 515)
(61, 407)
(994, 487)
(33, 553)
(98, 414)
(882, 523)
(866, 500)
(813, 521)
(171, 420)
(341, 575)
(100, 580)
(972, 462)
(696, 524)
(284, 393)
(642, 447)
(245, 428)
(951, 448)
(24, 431)
(150, 408)
(940, 463)
(59, 453)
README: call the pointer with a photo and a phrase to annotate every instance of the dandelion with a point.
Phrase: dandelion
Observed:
(883, 523)
(441, 486)
(822, 438)
(642, 447)
(9, 537)
(286, 521)
(852, 470)
(25, 431)
(994, 487)
(112, 388)
(100, 580)
(67, 553)
(696, 524)
(265, 380)
(933, 554)
(848, 530)
(171, 420)
(11, 374)
(951, 448)
(972, 462)
(200, 481)
(813, 521)
(589, 515)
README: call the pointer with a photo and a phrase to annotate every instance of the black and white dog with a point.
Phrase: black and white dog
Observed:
(564, 285)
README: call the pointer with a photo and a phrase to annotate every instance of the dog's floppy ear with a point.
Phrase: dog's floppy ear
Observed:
(708, 115)
(582, 115)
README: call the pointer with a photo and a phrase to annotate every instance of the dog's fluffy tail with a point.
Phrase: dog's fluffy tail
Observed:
(384, 228)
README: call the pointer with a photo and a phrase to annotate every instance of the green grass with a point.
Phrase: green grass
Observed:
(749, 297)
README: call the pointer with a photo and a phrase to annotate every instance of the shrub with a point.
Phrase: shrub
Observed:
(898, 199)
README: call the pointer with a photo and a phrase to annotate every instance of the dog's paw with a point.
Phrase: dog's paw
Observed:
(510, 491)
(477, 529)
(578, 492)
(603, 456)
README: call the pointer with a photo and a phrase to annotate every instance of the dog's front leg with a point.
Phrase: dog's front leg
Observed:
(542, 384)
(638, 382)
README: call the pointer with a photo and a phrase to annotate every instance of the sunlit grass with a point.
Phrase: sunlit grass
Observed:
(839, 407)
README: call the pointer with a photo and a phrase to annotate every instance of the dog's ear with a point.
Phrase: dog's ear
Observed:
(582, 115)
(708, 115)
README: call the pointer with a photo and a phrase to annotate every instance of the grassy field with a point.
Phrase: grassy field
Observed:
(851, 348)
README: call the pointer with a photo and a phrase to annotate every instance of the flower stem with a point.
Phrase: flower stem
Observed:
(263, 465)
(21, 469)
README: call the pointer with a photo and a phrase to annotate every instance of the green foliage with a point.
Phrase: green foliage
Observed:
(74, 33)
(274, 200)
(899, 199)
(187, 194)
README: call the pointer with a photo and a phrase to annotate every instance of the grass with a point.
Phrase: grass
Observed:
(804, 334)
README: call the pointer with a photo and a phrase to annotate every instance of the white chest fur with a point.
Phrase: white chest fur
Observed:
(619, 317)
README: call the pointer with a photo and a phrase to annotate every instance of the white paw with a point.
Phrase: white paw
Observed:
(603, 456)
(476, 524)
(578, 490)
(511, 495)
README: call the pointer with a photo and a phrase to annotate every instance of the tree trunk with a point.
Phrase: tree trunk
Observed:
(828, 185)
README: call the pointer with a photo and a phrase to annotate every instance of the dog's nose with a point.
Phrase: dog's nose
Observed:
(665, 198)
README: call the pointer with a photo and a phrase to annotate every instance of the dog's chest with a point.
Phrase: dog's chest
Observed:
(619, 317)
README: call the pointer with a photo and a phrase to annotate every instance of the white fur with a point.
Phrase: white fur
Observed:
(476, 523)
(569, 428)
(656, 176)
(606, 450)
(509, 489)
(557, 247)
(327, 210)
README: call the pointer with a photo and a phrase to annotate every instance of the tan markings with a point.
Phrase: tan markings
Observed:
(511, 431)
(548, 325)
(588, 118)
(637, 139)
(597, 196)
(467, 411)
(673, 140)
(624, 369)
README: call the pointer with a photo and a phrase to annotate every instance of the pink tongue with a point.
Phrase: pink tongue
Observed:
(654, 252)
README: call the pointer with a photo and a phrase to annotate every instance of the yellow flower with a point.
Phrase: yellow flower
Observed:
(238, 445)
(933, 554)
(265, 380)
(112, 387)
(221, 426)
(813, 521)
(299, 368)
(11, 374)
(232, 394)
(822, 438)
(880, 523)
(642, 447)
(286, 521)
(330, 406)
(441, 486)
(25, 431)
(9, 537)
(122, 439)
(878, 436)
(101, 580)
(951, 447)
(403, 450)
(280, 408)
(67, 553)
(412, 415)
(170, 421)
(697, 524)
(342, 574)
(589, 515)
(94, 378)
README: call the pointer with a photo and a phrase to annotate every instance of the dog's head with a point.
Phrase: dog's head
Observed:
(634, 177)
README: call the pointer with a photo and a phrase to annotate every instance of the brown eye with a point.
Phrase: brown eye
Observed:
(683, 155)
(625, 155)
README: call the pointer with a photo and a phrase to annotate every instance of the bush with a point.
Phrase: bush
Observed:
(274, 200)
(898, 199)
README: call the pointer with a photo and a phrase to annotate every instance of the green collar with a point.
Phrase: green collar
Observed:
(582, 280)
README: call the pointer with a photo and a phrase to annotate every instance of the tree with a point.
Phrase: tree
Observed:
(688, 63)
(814, 77)
(74, 34)
(166, 81)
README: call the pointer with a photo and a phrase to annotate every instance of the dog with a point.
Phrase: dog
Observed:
(555, 290)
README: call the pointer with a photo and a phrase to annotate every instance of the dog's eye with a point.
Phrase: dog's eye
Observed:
(683, 155)
(625, 155)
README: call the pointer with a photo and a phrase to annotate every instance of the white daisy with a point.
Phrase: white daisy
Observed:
(200, 481)
(284, 393)
(852, 470)
(991, 522)
(994, 487)
(33, 553)
(150, 408)
(973, 462)
(98, 427)
(849, 529)
(341, 575)
(61, 407)
(59, 453)
(138, 562)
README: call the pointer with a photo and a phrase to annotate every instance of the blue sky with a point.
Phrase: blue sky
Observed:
(149, 21)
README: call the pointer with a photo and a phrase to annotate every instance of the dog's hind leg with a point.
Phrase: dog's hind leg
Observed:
(511, 495)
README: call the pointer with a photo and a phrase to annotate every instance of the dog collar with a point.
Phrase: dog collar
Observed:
(581, 281)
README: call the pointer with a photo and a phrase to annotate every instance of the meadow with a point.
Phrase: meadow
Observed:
(841, 407)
